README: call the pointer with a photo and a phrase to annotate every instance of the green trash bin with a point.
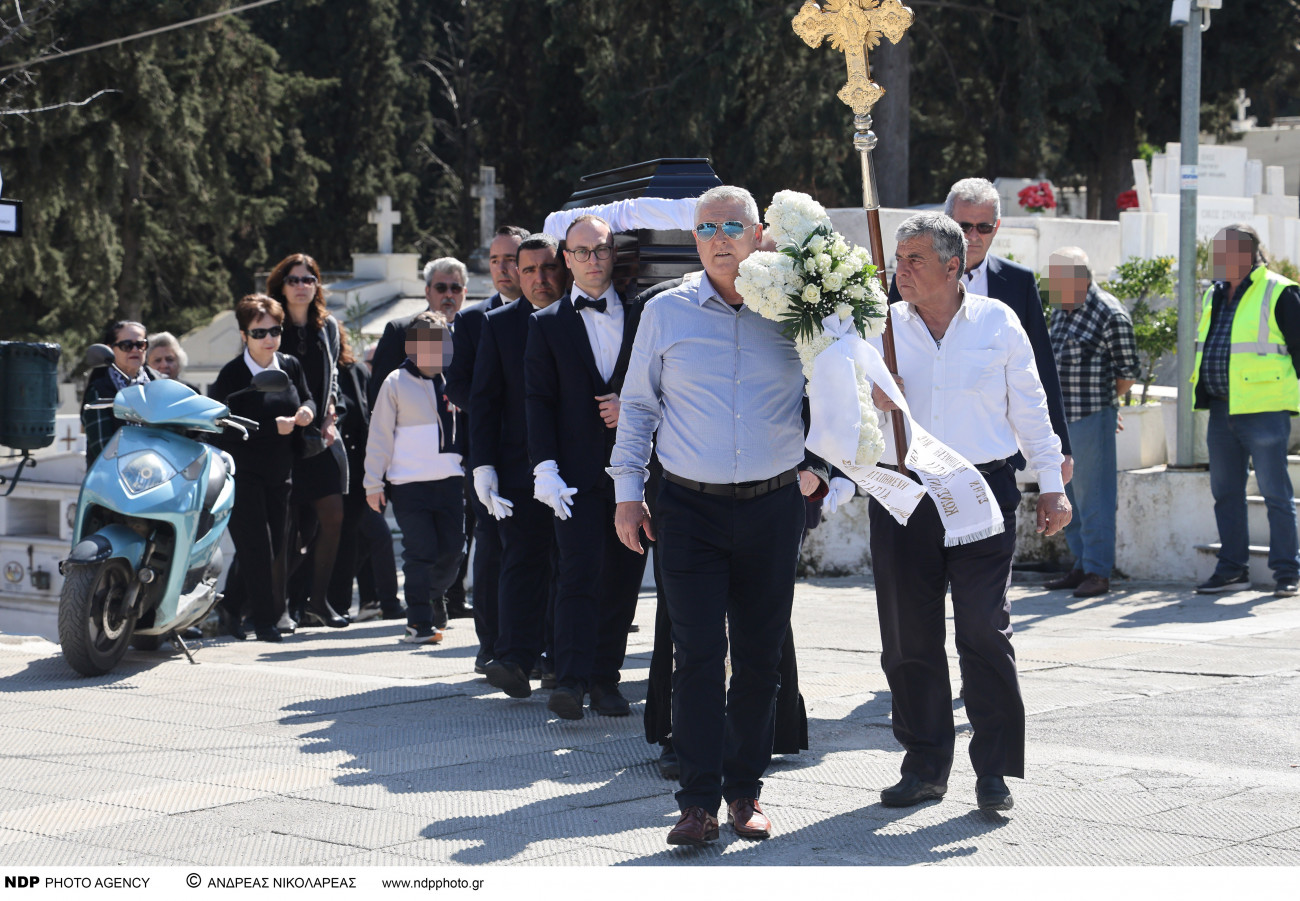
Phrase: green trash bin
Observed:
(29, 394)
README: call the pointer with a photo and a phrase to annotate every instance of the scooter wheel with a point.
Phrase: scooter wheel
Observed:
(95, 624)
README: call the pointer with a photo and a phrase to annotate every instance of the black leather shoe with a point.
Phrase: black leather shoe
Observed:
(269, 633)
(669, 767)
(509, 677)
(607, 700)
(322, 614)
(991, 793)
(481, 660)
(232, 624)
(566, 702)
(911, 790)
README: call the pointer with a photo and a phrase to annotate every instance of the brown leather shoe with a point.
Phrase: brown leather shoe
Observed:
(1072, 579)
(696, 827)
(1091, 586)
(747, 818)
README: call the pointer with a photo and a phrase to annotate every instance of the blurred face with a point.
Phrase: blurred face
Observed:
(300, 286)
(723, 254)
(430, 348)
(1233, 256)
(1067, 282)
(262, 338)
(128, 349)
(972, 217)
(541, 277)
(503, 265)
(445, 292)
(163, 360)
(593, 241)
(923, 278)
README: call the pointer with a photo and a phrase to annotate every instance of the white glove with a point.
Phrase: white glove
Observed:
(485, 486)
(839, 492)
(550, 489)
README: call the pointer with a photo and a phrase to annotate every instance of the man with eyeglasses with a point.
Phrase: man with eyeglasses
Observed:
(576, 359)
(724, 390)
(976, 206)
(466, 329)
(444, 289)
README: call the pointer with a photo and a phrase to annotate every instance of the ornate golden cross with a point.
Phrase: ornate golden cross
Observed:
(854, 28)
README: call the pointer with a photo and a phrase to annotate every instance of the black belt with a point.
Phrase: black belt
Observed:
(741, 491)
(988, 468)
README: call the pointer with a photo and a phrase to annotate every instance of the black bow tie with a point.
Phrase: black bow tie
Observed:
(583, 301)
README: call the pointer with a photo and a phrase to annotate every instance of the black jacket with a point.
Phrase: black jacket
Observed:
(266, 452)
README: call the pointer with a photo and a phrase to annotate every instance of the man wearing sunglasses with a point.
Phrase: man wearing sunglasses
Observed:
(976, 206)
(444, 289)
(724, 390)
(574, 365)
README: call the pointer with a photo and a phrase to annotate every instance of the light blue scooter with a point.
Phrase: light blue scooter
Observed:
(153, 507)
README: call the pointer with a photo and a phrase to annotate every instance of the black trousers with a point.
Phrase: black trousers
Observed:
(913, 572)
(729, 570)
(524, 588)
(432, 519)
(259, 526)
(487, 573)
(598, 580)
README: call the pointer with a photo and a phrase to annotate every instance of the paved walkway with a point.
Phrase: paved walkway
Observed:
(1163, 729)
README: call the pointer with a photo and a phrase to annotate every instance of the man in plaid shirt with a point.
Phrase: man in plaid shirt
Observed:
(1096, 354)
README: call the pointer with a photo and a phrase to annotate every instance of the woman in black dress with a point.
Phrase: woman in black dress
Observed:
(320, 476)
(260, 518)
(127, 339)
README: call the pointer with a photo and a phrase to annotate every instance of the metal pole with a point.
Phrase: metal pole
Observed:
(865, 140)
(1187, 300)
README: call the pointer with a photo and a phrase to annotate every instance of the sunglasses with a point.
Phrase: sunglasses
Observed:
(127, 346)
(731, 228)
(603, 252)
(447, 287)
(308, 280)
(257, 334)
(984, 228)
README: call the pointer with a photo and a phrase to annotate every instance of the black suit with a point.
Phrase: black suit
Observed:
(1016, 286)
(498, 437)
(466, 330)
(598, 578)
(389, 354)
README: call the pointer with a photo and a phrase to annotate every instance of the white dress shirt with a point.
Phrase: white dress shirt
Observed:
(627, 215)
(604, 330)
(977, 280)
(252, 364)
(976, 389)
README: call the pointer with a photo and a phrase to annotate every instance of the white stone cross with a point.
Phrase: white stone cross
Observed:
(1242, 103)
(385, 218)
(488, 193)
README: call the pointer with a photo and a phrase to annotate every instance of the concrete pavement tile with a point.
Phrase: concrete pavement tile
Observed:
(1030, 855)
(582, 856)
(52, 852)
(56, 818)
(89, 783)
(1063, 649)
(1287, 639)
(1208, 659)
(178, 797)
(1244, 855)
(268, 849)
(1100, 806)
(274, 779)
(1215, 821)
(846, 769)
(480, 847)
(447, 810)
(161, 834)
(1288, 840)
(1125, 844)
(13, 799)
(369, 829)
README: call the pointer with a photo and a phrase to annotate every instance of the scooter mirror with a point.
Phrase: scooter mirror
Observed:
(270, 380)
(99, 355)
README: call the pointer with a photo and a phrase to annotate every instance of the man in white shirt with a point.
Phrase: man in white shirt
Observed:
(576, 357)
(967, 370)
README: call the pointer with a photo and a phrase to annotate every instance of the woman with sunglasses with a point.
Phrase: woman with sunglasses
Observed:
(127, 339)
(259, 521)
(320, 474)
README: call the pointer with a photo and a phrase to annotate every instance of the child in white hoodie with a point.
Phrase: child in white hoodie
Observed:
(415, 445)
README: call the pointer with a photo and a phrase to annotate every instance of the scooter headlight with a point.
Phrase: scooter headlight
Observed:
(144, 471)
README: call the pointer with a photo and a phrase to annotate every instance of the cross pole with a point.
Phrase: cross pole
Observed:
(488, 193)
(855, 27)
(385, 217)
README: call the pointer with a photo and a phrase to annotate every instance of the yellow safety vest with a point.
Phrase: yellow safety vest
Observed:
(1261, 376)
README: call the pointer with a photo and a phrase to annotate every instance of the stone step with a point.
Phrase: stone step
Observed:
(1257, 516)
(1261, 576)
(1292, 468)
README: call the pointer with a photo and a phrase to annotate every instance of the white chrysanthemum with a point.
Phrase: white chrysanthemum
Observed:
(793, 216)
(871, 441)
(809, 350)
(874, 326)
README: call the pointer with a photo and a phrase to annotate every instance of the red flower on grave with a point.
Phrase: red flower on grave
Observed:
(1037, 198)
(1127, 200)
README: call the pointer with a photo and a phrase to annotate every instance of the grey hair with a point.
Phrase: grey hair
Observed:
(1258, 256)
(167, 339)
(945, 235)
(1075, 255)
(539, 241)
(446, 264)
(728, 193)
(974, 190)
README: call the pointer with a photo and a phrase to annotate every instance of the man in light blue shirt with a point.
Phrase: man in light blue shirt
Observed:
(724, 389)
